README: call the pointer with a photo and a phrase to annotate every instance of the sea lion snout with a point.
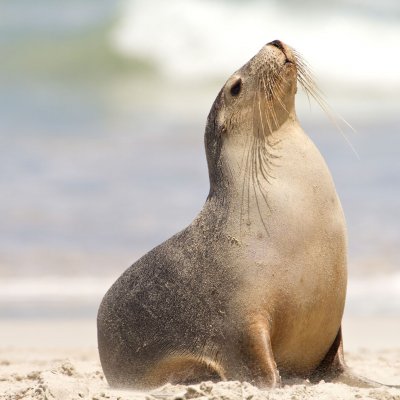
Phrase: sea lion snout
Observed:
(286, 50)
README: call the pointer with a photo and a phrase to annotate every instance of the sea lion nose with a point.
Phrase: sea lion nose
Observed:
(278, 44)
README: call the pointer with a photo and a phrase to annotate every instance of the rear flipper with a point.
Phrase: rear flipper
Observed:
(349, 378)
(334, 369)
(182, 369)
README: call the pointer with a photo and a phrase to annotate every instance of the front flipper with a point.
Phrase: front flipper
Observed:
(334, 369)
(261, 360)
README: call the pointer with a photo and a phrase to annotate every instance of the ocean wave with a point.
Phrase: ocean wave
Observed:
(203, 39)
(375, 295)
(199, 40)
(54, 288)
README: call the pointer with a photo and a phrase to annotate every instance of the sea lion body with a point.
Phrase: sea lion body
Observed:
(254, 288)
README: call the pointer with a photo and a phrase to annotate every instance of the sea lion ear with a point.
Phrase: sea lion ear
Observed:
(217, 116)
(221, 121)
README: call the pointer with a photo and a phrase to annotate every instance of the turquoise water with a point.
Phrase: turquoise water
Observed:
(102, 110)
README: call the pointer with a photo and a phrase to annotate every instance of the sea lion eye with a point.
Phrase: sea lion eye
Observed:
(236, 87)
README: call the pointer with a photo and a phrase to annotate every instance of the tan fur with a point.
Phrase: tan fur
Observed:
(254, 288)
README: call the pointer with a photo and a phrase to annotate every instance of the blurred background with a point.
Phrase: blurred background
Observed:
(103, 105)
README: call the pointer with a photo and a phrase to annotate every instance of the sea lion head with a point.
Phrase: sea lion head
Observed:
(260, 95)
(254, 102)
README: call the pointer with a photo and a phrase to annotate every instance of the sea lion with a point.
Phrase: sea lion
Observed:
(254, 288)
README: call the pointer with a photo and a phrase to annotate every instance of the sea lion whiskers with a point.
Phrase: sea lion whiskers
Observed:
(277, 82)
(244, 179)
(266, 143)
(258, 154)
(270, 110)
(307, 81)
(279, 92)
(257, 141)
(261, 160)
(255, 179)
(261, 114)
(261, 163)
(270, 80)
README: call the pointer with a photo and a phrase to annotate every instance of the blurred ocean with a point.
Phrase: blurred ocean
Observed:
(102, 109)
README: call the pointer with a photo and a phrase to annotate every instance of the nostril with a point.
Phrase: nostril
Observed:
(278, 44)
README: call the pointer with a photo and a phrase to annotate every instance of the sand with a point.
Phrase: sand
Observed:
(59, 360)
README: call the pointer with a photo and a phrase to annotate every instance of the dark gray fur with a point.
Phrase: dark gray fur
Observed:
(175, 298)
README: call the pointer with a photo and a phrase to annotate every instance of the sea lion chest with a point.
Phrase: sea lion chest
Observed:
(294, 258)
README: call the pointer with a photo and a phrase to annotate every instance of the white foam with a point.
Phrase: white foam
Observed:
(195, 39)
(51, 288)
(378, 294)
(374, 295)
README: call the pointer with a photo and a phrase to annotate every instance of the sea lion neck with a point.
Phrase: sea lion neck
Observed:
(239, 160)
(245, 182)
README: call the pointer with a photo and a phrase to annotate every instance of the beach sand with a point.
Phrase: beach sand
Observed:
(59, 360)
